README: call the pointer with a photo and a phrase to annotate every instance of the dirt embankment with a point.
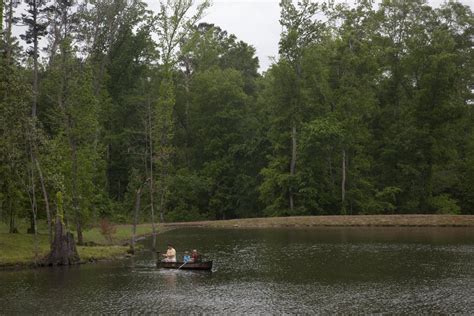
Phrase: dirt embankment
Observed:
(349, 220)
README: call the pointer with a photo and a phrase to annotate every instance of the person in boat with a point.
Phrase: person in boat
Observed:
(170, 255)
(186, 257)
(195, 256)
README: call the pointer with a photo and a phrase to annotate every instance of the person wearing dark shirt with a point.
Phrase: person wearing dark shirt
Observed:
(195, 256)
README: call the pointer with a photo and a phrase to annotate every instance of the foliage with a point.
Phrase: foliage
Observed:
(367, 110)
(443, 204)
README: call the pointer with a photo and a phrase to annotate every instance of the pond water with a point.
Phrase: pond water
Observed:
(267, 271)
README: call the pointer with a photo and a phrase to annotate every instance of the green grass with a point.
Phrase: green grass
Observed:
(18, 249)
(101, 252)
(123, 233)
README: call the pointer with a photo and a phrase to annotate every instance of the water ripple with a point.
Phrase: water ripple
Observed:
(265, 272)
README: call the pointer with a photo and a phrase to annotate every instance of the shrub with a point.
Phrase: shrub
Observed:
(107, 229)
(443, 204)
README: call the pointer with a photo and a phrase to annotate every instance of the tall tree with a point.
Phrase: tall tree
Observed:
(353, 67)
(300, 29)
(35, 22)
(7, 33)
(74, 111)
(34, 19)
(173, 24)
(14, 123)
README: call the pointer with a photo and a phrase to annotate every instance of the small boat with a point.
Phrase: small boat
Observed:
(205, 265)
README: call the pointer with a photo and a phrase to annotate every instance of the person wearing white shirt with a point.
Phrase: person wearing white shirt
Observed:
(170, 255)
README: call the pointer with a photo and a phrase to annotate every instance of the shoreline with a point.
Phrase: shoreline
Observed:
(118, 253)
(119, 249)
(95, 253)
(335, 221)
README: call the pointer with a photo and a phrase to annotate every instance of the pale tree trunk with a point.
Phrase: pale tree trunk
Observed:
(46, 201)
(35, 61)
(152, 180)
(293, 135)
(343, 182)
(34, 209)
(163, 197)
(187, 80)
(164, 172)
(36, 236)
(293, 163)
(33, 116)
(135, 218)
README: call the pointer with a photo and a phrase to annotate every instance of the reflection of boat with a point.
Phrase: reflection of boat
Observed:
(205, 265)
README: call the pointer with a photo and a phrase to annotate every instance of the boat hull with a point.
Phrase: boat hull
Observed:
(206, 265)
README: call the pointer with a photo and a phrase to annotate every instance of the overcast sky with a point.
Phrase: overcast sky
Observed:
(256, 22)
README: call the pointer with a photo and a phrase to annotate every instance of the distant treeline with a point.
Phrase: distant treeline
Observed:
(368, 110)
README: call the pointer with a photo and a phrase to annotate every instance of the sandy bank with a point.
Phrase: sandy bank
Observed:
(337, 220)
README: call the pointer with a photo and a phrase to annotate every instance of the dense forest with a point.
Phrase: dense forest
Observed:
(130, 113)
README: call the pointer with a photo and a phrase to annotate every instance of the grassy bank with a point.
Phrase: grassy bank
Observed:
(350, 220)
(19, 249)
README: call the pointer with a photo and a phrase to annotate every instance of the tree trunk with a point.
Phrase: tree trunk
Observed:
(34, 206)
(46, 201)
(162, 201)
(80, 238)
(12, 227)
(75, 201)
(343, 182)
(293, 163)
(152, 180)
(164, 173)
(35, 60)
(135, 219)
(33, 202)
(1, 20)
(36, 243)
(187, 80)
(31, 230)
(9, 40)
(163, 187)
(63, 249)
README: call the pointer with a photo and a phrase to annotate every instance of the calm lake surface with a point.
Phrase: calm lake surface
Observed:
(269, 271)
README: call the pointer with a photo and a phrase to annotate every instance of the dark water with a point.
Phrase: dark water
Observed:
(271, 271)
